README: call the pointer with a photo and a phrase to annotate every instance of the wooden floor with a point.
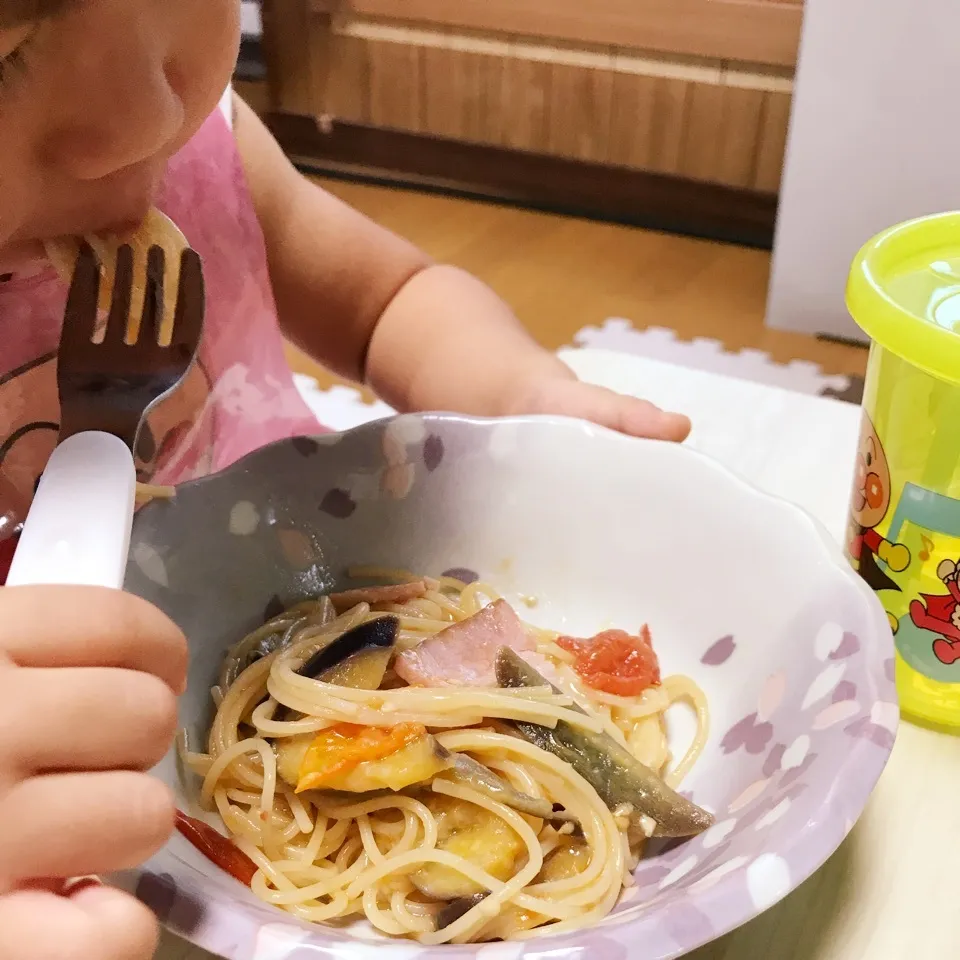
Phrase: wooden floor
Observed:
(562, 274)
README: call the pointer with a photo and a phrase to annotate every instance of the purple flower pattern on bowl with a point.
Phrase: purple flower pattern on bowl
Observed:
(800, 680)
(720, 652)
(750, 733)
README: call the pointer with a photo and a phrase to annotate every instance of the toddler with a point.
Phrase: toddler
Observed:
(106, 108)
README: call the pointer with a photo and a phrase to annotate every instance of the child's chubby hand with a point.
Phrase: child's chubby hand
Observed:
(88, 687)
(563, 395)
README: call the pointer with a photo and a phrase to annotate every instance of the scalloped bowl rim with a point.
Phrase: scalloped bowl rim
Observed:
(868, 765)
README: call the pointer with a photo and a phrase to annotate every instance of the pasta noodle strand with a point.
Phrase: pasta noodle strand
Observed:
(326, 857)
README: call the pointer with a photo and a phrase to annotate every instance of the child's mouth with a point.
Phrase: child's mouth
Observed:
(116, 223)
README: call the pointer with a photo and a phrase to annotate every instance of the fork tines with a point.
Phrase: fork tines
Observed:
(122, 325)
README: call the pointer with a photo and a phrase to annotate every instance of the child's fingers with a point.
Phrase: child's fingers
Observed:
(70, 825)
(94, 922)
(88, 719)
(90, 626)
(638, 418)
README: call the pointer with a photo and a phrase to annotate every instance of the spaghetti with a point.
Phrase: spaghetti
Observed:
(149, 491)
(444, 813)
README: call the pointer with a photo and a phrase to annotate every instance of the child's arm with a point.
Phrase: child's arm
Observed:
(426, 337)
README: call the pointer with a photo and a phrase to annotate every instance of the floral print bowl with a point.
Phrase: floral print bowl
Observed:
(742, 591)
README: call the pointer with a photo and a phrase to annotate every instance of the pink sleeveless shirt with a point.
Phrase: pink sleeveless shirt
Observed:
(240, 394)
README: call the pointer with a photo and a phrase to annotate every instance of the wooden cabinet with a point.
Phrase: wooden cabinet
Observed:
(760, 31)
(698, 90)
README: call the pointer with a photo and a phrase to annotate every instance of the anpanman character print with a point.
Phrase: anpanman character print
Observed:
(908, 551)
(872, 489)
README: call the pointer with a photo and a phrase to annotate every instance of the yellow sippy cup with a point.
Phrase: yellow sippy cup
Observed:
(904, 531)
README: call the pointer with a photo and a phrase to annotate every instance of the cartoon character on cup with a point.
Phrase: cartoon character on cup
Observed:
(871, 500)
(940, 613)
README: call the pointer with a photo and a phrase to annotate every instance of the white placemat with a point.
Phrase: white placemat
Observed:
(790, 444)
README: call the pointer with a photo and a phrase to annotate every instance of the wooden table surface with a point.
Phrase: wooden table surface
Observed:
(890, 891)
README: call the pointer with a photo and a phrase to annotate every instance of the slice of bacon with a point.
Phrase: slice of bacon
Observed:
(395, 593)
(464, 654)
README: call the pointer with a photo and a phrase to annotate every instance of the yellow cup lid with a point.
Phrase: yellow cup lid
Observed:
(904, 292)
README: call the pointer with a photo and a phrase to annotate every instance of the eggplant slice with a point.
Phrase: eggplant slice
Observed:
(358, 658)
(363, 671)
(472, 773)
(276, 634)
(617, 776)
(380, 633)
(480, 837)
(456, 909)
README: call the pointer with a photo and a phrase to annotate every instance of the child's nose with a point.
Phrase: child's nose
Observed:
(132, 122)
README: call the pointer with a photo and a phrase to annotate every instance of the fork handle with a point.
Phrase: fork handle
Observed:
(78, 529)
